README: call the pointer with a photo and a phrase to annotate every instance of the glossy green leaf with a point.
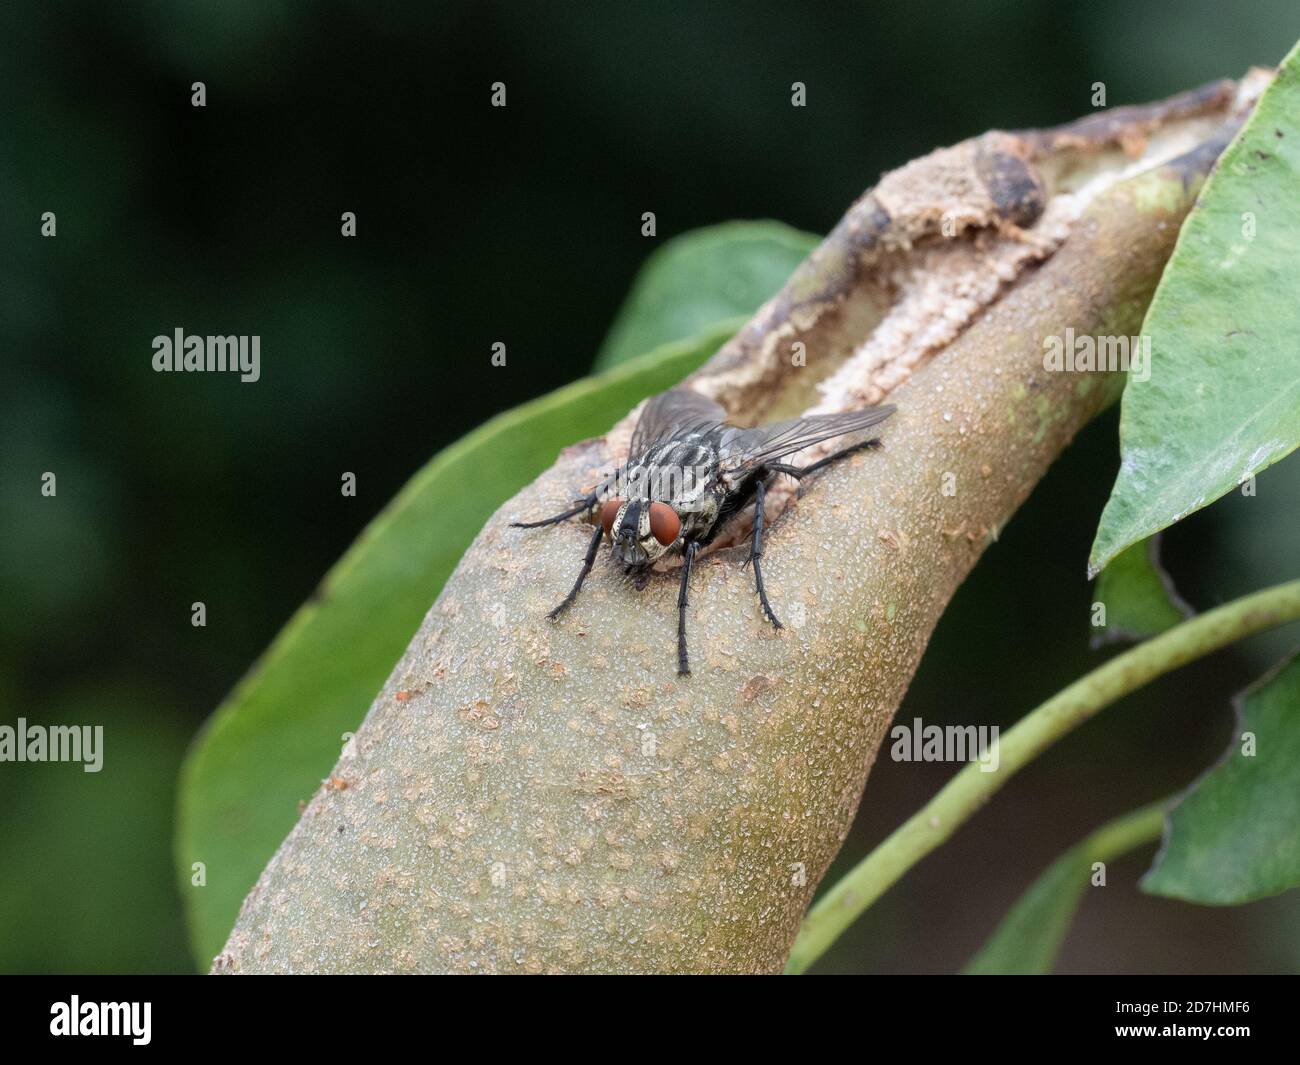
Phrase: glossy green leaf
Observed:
(707, 276)
(1222, 401)
(1030, 936)
(278, 734)
(1236, 835)
(1138, 596)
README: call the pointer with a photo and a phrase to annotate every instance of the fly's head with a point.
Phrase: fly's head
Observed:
(640, 530)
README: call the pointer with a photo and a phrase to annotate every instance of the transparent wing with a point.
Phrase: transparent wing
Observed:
(671, 411)
(744, 450)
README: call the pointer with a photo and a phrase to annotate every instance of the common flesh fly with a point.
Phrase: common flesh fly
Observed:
(688, 473)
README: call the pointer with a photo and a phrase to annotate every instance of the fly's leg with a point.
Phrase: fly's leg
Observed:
(803, 471)
(688, 556)
(582, 573)
(756, 554)
(583, 505)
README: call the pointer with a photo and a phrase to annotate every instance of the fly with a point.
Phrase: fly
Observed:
(688, 473)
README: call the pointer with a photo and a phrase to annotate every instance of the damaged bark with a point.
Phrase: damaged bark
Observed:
(529, 796)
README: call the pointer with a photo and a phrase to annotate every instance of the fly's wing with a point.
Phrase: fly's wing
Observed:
(672, 411)
(744, 450)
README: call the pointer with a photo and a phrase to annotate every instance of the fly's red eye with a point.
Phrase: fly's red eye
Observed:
(664, 523)
(608, 513)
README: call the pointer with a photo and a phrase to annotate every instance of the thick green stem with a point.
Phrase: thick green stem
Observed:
(971, 787)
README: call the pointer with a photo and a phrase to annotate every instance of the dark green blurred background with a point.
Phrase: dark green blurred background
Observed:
(522, 225)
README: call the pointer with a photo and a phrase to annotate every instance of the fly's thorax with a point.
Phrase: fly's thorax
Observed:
(682, 473)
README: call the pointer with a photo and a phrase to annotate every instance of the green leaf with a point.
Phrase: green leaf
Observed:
(1223, 398)
(1138, 595)
(1030, 936)
(282, 729)
(707, 276)
(1235, 836)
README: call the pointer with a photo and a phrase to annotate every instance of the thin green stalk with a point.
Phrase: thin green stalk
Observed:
(1072, 706)
(1125, 833)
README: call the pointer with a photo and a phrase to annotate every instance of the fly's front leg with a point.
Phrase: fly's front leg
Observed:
(802, 471)
(585, 504)
(756, 554)
(582, 573)
(688, 554)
